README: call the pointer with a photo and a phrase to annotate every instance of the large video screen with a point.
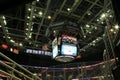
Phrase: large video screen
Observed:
(55, 51)
(69, 39)
(54, 48)
(69, 50)
(69, 45)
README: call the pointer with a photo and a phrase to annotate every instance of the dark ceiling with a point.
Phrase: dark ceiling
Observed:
(31, 24)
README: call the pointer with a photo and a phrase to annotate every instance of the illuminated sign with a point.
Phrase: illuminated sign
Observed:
(16, 51)
(4, 46)
(40, 52)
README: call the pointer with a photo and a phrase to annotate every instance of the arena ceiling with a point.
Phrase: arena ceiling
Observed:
(32, 24)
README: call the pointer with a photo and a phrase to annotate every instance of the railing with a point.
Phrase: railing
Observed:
(14, 71)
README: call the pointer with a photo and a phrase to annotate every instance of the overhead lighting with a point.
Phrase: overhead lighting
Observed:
(27, 23)
(32, 24)
(68, 9)
(89, 32)
(3, 36)
(95, 27)
(26, 29)
(84, 36)
(111, 30)
(108, 11)
(89, 13)
(0, 26)
(87, 25)
(35, 10)
(5, 22)
(31, 29)
(54, 31)
(12, 41)
(11, 49)
(94, 41)
(40, 13)
(30, 42)
(37, 0)
(90, 44)
(103, 35)
(21, 44)
(116, 27)
(9, 37)
(114, 32)
(29, 9)
(26, 33)
(97, 39)
(102, 22)
(49, 17)
(28, 17)
(93, 44)
(35, 74)
(98, 20)
(110, 16)
(103, 16)
(7, 30)
(26, 38)
(33, 16)
(30, 36)
(3, 17)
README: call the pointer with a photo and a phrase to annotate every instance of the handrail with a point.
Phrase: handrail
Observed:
(9, 67)
(33, 77)
(1, 71)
